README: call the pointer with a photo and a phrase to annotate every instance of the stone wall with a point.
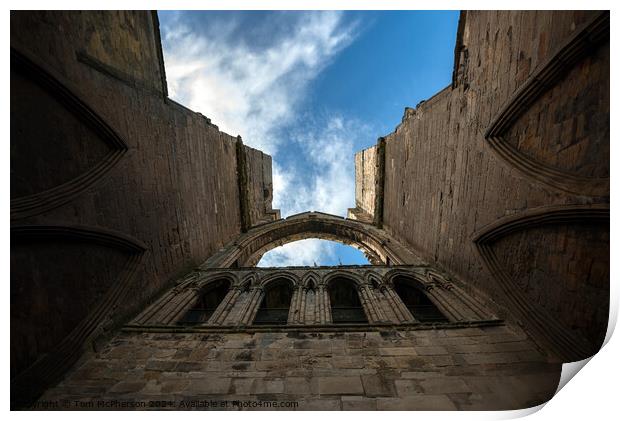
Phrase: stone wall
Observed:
(492, 368)
(115, 189)
(365, 180)
(493, 177)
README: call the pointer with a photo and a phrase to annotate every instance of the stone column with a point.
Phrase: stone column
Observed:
(301, 314)
(436, 295)
(464, 300)
(254, 300)
(218, 317)
(293, 309)
(325, 311)
(317, 307)
(150, 314)
(371, 315)
(400, 309)
(177, 306)
(381, 316)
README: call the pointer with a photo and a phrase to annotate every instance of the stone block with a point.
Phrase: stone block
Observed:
(303, 386)
(378, 385)
(358, 403)
(264, 385)
(347, 362)
(444, 385)
(406, 387)
(398, 351)
(431, 350)
(210, 385)
(161, 365)
(416, 403)
(242, 386)
(128, 387)
(340, 386)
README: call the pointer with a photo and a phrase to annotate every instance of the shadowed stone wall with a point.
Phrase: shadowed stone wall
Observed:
(502, 178)
(115, 189)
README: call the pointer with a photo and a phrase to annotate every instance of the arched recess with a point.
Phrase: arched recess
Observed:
(378, 246)
(275, 304)
(207, 301)
(523, 133)
(60, 147)
(39, 312)
(421, 307)
(345, 302)
(544, 286)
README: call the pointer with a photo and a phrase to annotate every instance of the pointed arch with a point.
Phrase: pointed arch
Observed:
(378, 246)
(413, 294)
(310, 278)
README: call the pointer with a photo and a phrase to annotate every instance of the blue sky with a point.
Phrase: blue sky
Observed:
(310, 89)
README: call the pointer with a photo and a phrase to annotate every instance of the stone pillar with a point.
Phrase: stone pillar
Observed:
(301, 314)
(317, 307)
(369, 309)
(325, 310)
(293, 308)
(254, 300)
(464, 300)
(218, 317)
(436, 295)
(370, 312)
(400, 309)
(309, 306)
(149, 315)
(176, 307)
(381, 316)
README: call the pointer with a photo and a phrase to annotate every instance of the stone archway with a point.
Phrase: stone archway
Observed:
(379, 247)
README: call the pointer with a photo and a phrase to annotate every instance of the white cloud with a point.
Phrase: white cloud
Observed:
(328, 149)
(246, 91)
(299, 253)
(255, 92)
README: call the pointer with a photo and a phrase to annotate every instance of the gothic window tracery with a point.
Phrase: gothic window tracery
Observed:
(416, 301)
(274, 307)
(346, 306)
(207, 303)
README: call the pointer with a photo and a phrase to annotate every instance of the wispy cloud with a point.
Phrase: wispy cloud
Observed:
(327, 148)
(254, 87)
(299, 253)
(244, 90)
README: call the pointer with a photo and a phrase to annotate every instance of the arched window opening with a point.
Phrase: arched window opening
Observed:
(345, 302)
(275, 305)
(208, 301)
(419, 305)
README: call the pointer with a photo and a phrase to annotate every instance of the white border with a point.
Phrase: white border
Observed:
(591, 395)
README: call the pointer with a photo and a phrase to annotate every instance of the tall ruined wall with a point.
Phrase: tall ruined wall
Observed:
(260, 187)
(365, 180)
(115, 189)
(502, 178)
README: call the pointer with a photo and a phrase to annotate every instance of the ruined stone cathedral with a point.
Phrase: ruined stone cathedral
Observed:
(136, 227)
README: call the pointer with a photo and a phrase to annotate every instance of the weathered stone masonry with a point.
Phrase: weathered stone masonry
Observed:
(115, 189)
(502, 178)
